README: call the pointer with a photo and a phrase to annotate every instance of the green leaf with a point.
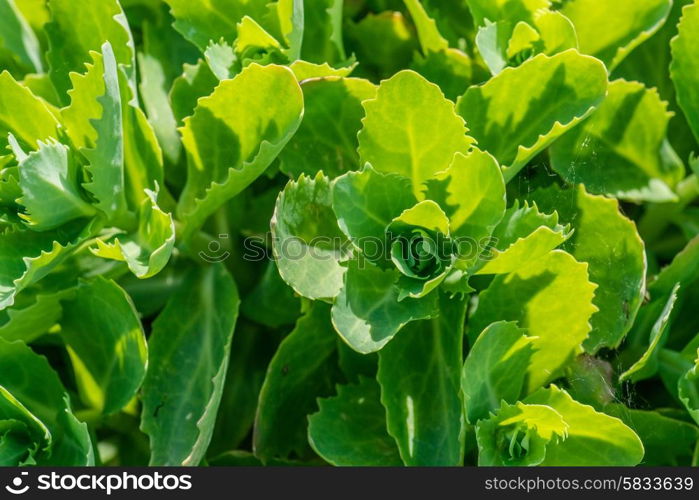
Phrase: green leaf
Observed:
(609, 33)
(617, 150)
(384, 43)
(425, 413)
(160, 61)
(524, 235)
(251, 351)
(106, 158)
(495, 369)
(28, 319)
(666, 441)
(365, 203)
(610, 244)
(472, 194)
(521, 111)
(548, 296)
(188, 358)
(430, 38)
(519, 435)
(148, 250)
(647, 365)
(36, 386)
(684, 269)
(593, 438)
(307, 242)
(72, 37)
(683, 69)
(302, 369)
(49, 179)
(254, 128)
(350, 428)
(451, 69)
(215, 19)
(272, 302)
(688, 390)
(411, 129)
(367, 313)
(17, 36)
(322, 34)
(196, 80)
(106, 343)
(28, 256)
(24, 115)
(327, 137)
(496, 10)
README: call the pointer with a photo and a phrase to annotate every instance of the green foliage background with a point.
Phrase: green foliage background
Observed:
(360, 232)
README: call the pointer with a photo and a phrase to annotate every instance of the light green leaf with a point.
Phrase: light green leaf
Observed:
(72, 37)
(188, 358)
(611, 31)
(365, 203)
(495, 369)
(254, 43)
(106, 343)
(254, 129)
(647, 365)
(519, 435)
(201, 22)
(617, 150)
(148, 250)
(593, 438)
(24, 115)
(524, 235)
(472, 194)
(350, 428)
(683, 69)
(425, 413)
(327, 137)
(36, 386)
(521, 111)
(106, 158)
(304, 70)
(49, 179)
(367, 313)
(17, 36)
(308, 244)
(430, 38)
(548, 296)
(411, 129)
(302, 369)
(610, 244)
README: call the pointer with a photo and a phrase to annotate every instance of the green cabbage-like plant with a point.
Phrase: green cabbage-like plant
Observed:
(358, 233)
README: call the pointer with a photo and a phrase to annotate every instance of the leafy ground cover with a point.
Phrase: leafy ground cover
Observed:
(370, 232)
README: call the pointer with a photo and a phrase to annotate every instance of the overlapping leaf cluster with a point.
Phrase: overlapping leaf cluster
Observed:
(456, 232)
